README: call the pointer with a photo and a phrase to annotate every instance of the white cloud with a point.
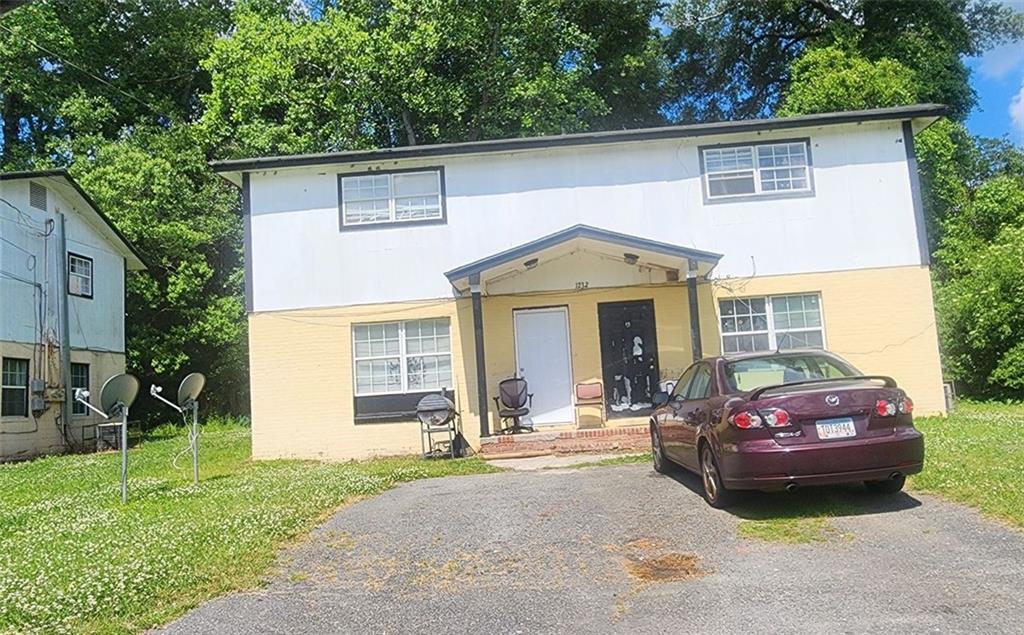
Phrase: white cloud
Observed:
(1000, 61)
(1017, 111)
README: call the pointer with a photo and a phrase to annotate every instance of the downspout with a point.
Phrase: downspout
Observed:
(65, 328)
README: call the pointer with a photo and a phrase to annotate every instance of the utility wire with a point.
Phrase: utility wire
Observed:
(81, 69)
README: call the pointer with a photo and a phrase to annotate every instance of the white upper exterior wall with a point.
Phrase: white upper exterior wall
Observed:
(860, 216)
(95, 324)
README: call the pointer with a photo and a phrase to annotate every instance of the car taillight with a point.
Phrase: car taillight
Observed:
(906, 405)
(775, 417)
(885, 408)
(746, 420)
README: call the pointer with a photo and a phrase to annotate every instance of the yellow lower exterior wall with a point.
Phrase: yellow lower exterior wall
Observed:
(27, 437)
(880, 320)
(302, 370)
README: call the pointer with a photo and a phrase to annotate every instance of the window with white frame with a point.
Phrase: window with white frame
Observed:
(14, 387)
(79, 379)
(771, 323)
(391, 198)
(402, 357)
(80, 275)
(769, 168)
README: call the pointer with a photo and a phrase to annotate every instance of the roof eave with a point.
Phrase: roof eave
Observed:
(232, 167)
(468, 271)
(136, 262)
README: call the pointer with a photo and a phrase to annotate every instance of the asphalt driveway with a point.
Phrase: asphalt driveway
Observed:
(621, 549)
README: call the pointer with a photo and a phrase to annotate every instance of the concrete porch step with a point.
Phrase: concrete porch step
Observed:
(566, 442)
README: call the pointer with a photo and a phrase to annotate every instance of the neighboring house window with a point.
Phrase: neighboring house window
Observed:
(14, 387)
(79, 275)
(771, 323)
(396, 197)
(400, 357)
(757, 169)
(79, 379)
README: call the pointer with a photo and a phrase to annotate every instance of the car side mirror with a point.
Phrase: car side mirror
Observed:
(660, 398)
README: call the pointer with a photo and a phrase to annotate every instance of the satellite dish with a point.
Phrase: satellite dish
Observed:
(190, 388)
(119, 389)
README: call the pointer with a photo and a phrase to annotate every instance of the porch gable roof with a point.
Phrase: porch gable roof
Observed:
(470, 273)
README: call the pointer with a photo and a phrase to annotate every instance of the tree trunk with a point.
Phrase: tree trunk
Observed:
(410, 132)
(11, 115)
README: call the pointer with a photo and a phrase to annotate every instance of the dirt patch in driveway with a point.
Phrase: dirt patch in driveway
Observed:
(670, 567)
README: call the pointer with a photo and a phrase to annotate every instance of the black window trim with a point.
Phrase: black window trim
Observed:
(28, 380)
(443, 220)
(92, 278)
(719, 200)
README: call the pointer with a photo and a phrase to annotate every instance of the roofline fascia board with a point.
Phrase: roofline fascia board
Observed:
(66, 176)
(578, 232)
(899, 113)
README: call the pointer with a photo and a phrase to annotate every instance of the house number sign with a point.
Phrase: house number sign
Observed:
(582, 284)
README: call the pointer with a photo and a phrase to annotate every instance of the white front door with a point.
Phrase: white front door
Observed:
(542, 356)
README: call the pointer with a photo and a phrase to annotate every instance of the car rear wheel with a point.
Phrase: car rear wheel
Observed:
(888, 486)
(714, 491)
(661, 463)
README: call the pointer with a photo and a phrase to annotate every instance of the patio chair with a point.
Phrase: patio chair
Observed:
(513, 403)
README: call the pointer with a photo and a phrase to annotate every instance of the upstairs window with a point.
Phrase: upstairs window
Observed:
(80, 275)
(393, 197)
(771, 323)
(753, 170)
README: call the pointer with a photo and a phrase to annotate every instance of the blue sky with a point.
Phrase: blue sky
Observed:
(998, 79)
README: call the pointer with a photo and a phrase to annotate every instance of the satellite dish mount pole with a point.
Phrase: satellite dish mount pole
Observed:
(193, 433)
(124, 452)
(82, 397)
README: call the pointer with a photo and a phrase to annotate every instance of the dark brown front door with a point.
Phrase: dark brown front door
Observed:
(629, 356)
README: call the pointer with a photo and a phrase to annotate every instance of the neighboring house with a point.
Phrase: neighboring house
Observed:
(614, 257)
(62, 279)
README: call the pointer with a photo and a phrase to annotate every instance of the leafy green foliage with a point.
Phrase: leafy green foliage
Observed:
(145, 53)
(186, 313)
(73, 559)
(363, 75)
(831, 79)
(732, 58)
(981, 305)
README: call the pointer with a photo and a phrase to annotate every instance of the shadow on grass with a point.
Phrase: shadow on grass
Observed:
(804, 515)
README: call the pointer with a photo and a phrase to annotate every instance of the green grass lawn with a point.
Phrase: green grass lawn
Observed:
(974, 456)
(72, 558)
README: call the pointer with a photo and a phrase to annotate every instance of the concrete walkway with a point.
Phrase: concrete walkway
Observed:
(550, 461)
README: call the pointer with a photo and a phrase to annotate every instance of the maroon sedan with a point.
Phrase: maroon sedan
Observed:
(767, 421)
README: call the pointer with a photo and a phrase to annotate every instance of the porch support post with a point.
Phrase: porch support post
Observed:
(691, 293)
(481, 366)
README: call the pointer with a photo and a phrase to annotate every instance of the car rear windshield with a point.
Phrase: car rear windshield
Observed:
(750, 374)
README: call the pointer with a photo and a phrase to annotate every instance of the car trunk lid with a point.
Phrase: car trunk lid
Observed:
(831, 413)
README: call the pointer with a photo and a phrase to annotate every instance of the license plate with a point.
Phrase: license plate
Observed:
(836, 428)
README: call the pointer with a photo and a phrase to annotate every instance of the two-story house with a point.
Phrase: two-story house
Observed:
(63, 266)
(610, 258)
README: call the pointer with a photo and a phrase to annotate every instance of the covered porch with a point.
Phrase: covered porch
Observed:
(596, 322)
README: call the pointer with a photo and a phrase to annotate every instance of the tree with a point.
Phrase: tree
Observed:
(410, 72)
(134, 61)
(731, 58)
(187, 313)
(831, 79)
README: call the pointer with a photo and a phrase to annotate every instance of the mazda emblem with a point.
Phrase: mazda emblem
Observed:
(832, 400)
